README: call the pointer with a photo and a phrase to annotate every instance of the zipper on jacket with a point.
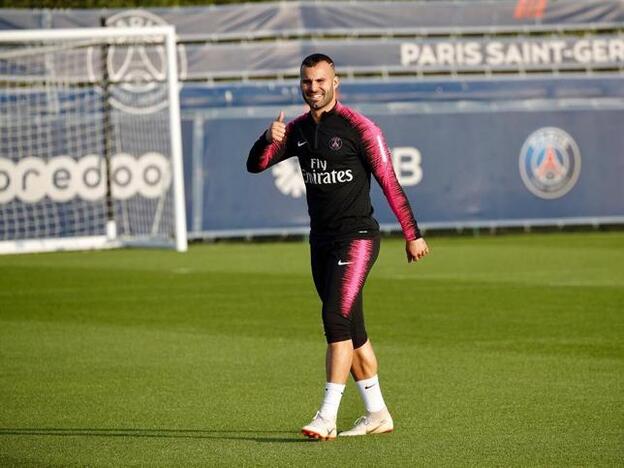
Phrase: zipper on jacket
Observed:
(316, 129)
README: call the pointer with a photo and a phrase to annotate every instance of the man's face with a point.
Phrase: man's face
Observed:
(318, 86)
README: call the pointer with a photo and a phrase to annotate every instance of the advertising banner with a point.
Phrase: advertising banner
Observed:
(476, 167)
(442, 55)
(376, 57)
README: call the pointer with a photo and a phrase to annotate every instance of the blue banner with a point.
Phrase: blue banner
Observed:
(467, 165)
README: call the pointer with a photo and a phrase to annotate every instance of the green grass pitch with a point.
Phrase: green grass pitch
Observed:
(505, 351)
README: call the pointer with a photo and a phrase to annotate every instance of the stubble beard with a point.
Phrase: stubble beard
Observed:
(316, 105)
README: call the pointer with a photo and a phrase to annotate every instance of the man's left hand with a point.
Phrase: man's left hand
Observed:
(416, 249)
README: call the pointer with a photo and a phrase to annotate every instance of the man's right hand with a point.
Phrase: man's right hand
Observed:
(277, 129)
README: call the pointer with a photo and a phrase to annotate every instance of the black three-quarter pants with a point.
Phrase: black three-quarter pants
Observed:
(339, 269)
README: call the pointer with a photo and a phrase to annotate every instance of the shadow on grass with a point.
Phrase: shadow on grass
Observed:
(251, 435)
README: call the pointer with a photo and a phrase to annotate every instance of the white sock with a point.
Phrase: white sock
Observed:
(371, 394)
(331, 400)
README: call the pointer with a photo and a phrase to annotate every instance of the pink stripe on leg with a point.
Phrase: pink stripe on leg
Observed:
(359, 257)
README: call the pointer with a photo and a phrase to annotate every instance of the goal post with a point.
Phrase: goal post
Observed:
(90, 140)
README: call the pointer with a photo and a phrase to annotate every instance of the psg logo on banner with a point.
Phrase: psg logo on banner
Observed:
(550, 163)
(139, 70)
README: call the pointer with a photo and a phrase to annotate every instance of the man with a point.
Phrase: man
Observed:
(338, 149)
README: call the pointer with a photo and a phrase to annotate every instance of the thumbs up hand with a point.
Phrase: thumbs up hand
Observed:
(277, 129)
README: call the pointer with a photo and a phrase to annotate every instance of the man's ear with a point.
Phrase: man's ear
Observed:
(336, 82)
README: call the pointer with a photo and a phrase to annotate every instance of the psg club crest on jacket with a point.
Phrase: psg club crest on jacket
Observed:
(550, 163)
(335, 143)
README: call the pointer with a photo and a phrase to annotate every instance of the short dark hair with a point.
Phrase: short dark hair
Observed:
(312, 60)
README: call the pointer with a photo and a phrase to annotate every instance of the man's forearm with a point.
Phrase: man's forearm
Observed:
(255, 158)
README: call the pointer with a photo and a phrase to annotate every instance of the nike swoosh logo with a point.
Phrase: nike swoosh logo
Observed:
(301, 143)
(381, 423)
(370, 386)
(340, 263)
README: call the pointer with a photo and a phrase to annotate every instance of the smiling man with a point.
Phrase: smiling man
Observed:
(338, 150)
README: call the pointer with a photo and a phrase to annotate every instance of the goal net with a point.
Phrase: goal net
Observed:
(90, 145)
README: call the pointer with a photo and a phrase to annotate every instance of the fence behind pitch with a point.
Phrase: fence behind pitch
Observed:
(498, 114)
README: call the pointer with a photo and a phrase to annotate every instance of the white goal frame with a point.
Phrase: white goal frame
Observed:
(159, 34)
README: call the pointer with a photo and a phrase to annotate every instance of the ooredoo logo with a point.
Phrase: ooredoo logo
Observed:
(550, 163)
(140, 69)
(63, 178)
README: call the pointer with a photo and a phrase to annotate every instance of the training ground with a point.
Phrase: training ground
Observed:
(505, 351)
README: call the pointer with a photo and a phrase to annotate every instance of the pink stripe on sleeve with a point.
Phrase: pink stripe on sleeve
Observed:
(380, 160)
(264, 155)
(271, 153)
